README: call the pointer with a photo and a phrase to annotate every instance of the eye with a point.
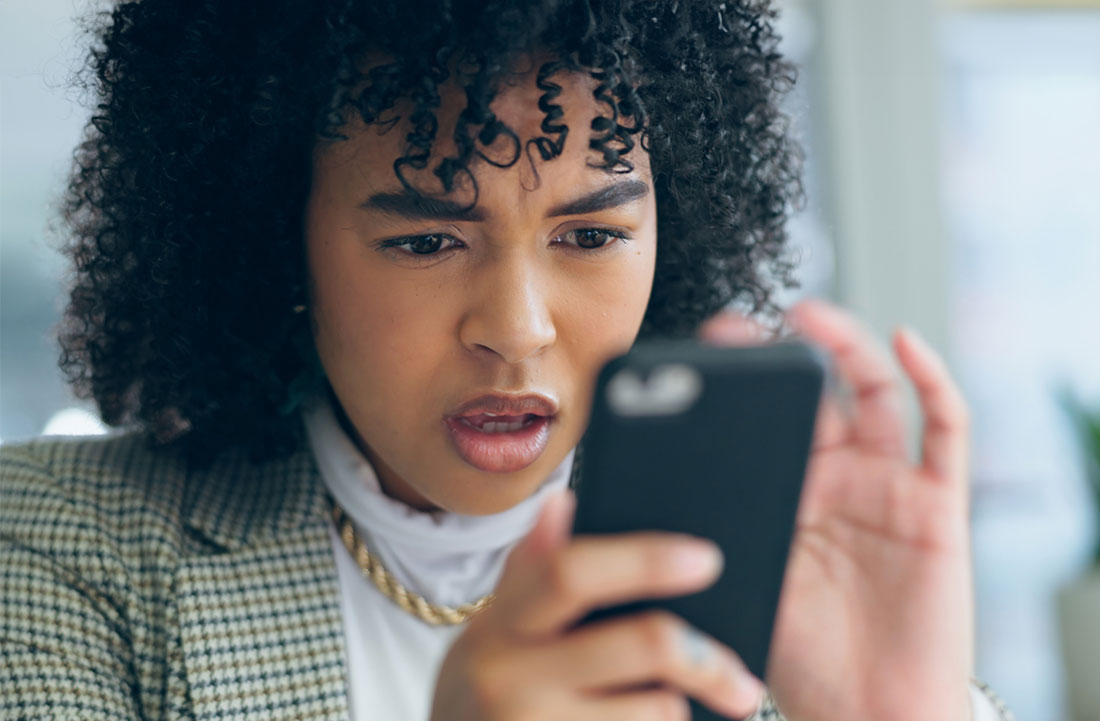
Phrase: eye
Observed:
(591, 238)
(423, 244)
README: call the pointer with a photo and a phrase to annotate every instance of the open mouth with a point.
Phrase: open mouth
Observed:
(493, 423)
(501, 434)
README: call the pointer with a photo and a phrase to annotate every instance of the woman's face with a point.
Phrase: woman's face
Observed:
(462, 346)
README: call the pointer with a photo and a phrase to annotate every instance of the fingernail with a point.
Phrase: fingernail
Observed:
(746, 691)
(746, 684)
(698, 648)
(743, 679)
(699, 558)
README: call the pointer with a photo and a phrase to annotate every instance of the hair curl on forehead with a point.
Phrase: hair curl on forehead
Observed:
(187, 197)
(470, 56)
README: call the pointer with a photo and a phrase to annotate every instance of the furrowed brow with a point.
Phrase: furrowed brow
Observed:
(414, 207)
(612, 196)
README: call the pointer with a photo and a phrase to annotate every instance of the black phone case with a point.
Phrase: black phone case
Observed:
(729, 467)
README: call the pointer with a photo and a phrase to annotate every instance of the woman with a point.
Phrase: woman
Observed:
(352, 268)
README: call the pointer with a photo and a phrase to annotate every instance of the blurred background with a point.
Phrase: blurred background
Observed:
(954, 185)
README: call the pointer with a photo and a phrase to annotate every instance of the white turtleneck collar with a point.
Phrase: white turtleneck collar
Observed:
(449, 558)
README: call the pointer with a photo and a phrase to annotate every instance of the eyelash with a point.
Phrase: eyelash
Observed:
(606, 245)
(407, 242)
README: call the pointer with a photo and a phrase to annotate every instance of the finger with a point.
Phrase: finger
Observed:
(550, 532)
(945, 447)
(654, 705)
(831, 428)
(654, 647)
(547, 595)
(877, 403)
(551, 529)
(729, 328)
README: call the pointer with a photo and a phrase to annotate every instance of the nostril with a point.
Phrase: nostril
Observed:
(513, 332)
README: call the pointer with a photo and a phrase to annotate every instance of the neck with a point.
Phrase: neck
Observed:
(391, 484)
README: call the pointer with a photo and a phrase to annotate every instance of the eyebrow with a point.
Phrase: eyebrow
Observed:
(417, 207)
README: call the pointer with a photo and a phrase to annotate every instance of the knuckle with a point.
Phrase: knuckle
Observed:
(661, 633)
(956, 417)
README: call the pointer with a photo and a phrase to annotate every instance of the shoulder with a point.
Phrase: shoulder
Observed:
(106, 510)
(146, 506)
(90, 537)
(85, 464)
(95, 535)
(105, 484)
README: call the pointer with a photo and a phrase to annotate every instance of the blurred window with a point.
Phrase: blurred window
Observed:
(41, 122)
(1021, 165)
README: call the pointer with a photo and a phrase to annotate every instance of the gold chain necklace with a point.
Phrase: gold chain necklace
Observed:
(431, 613)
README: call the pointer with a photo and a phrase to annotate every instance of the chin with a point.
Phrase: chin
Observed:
(485, 494)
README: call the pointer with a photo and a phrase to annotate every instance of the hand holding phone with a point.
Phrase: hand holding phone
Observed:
(523, 656)
(876, 608)
(711, 442)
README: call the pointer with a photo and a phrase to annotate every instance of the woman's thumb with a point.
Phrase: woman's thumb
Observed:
(553, 526)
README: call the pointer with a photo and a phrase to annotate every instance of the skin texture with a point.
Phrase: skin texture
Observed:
(874, 620)
(519, 308)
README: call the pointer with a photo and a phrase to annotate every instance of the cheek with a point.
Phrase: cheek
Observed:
(621, 297)
(603, 318)
(601, 321)
(371, 328)
(608, 316)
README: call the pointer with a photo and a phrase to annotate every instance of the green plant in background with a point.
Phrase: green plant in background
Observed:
(1086, 423)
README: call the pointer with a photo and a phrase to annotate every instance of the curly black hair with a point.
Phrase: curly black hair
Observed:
(187, 198)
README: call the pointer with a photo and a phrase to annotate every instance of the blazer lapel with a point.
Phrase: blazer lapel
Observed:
(259, 607)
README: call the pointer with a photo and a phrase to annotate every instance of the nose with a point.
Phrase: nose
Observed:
(508, 315)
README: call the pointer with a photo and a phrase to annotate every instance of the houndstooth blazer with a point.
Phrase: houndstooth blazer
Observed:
(134, 588)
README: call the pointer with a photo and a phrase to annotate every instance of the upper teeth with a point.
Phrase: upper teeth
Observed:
(502, 427)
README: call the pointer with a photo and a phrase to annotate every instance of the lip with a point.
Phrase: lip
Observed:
(507, 404)
(502, 452)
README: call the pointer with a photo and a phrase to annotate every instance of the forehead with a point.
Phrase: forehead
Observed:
(367, 157)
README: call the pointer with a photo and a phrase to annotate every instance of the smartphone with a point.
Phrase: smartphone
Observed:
(713, 442)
